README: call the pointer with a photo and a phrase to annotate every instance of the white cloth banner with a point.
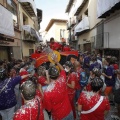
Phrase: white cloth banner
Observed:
(33, 32)
(32, 3)
(83, 25)
(27, 28)
(6, 22)
(105, 5)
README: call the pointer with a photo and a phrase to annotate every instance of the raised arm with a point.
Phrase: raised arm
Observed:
(57, 63)
(25, 76)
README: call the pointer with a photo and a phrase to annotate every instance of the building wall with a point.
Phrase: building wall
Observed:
(16, 52)
(8, 50)
(51, 33)
(1, 1)
(92, 13)
(26, 45)
(57, 31)
(54, 31)
(86, 36)
(30, 20)
(81, 14)
(93, 21)
(112, 27)
(17, 40)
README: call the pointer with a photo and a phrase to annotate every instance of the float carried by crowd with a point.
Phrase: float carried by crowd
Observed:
(81, 89)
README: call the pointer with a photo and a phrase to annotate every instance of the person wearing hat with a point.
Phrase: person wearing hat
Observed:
(32, 109)
(56, 98)
(92, 105)
(72, 82)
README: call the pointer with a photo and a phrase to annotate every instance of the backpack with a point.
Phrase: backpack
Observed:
(83, 79)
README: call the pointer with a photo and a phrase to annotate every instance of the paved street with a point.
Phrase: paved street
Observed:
(112, 111)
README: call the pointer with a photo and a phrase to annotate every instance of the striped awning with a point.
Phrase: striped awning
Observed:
(6, 22)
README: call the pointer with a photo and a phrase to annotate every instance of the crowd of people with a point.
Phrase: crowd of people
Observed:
(83, 89)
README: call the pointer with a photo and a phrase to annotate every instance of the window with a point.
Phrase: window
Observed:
(31, 51)
(79, 19)
(25, 19)
(86, 12)
(12, 7)
(79, 47)
(62, 33)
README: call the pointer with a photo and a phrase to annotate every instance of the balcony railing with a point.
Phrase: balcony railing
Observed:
(82, 26)
(106, 7)
(29, 38)
(29, 6)
(31, 32)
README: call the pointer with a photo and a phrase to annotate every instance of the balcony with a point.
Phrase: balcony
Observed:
(106, 7)
(29, 38)
(79, 6)
(29, 6)
(30, 33)
(101, 40)
(82, 26)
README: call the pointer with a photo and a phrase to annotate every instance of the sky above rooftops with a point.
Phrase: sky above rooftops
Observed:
(51, 9)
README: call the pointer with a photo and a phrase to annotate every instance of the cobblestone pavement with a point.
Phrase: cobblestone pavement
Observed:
(112, 112)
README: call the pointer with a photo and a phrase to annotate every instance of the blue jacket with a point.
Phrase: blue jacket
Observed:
(7, 96)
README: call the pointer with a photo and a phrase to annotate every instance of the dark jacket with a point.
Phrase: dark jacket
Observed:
(7, 96)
